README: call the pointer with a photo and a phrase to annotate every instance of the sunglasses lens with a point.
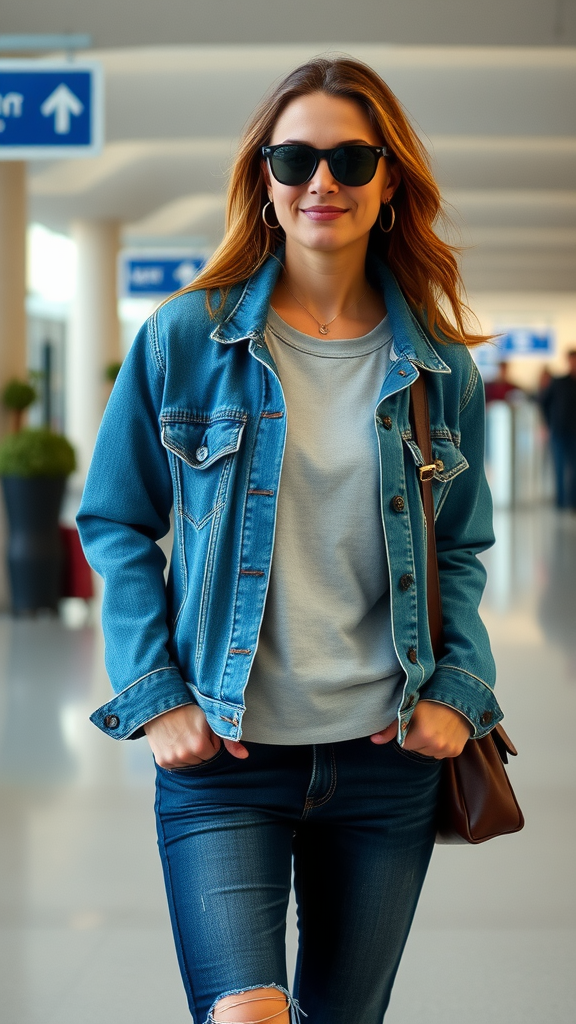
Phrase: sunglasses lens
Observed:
(350, 165)
(353, 165)
(292, 165)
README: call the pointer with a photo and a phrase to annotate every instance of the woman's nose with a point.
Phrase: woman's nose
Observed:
(322, 181)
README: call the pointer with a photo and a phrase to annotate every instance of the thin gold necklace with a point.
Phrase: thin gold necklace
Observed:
(323, 327)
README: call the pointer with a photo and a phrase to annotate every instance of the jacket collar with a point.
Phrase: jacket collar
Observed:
(248, 316)
(250, 312)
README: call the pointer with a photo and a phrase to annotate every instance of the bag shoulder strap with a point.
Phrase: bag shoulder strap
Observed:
(420, 416)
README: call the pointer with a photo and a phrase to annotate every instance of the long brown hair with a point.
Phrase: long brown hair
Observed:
(425, 266)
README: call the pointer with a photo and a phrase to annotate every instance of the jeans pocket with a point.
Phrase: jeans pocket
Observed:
(193, 769)
(414, 755)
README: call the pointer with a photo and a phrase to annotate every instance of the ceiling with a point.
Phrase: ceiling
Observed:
(499, 122)
(125, 23)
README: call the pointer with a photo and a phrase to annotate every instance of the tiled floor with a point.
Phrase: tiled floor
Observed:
(84, 936)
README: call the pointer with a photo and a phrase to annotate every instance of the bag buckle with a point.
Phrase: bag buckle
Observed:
(427, 472)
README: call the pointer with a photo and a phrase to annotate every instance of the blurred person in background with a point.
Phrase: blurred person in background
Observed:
(499, 389)
(558, 403)
(284, 674)
(544, 380)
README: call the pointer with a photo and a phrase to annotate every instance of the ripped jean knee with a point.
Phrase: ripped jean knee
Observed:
(288, 1003)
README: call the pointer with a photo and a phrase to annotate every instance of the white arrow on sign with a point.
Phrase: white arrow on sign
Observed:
(62, 102)
(185, 273)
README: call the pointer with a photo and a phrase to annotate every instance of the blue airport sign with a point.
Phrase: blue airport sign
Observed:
(156, 274)
(525, 341)
(511, 342)
(50, 110)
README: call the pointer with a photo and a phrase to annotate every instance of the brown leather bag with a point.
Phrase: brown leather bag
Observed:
(476, 800)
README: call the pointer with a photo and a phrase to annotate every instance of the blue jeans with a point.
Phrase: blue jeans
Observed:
(359, 822)
(564, 456)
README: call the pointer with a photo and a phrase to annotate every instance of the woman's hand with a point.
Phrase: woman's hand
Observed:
(435, 730)
(182, 737)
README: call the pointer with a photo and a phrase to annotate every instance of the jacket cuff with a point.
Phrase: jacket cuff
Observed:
(160, 690)
(467, 693)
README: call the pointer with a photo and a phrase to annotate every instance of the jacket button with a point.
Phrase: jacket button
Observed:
(410, 702)
(406, 581)
(404, 726)
(412, 655)
(398, 503)
(387, 422)
(486, 717)
(202, 453)
(111, 721)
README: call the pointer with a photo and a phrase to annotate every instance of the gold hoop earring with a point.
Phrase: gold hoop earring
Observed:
(392, 218)
(272, 227)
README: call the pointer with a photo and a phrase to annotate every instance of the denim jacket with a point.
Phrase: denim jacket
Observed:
(196, 424)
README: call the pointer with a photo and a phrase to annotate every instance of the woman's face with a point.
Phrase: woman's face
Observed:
(322, 214)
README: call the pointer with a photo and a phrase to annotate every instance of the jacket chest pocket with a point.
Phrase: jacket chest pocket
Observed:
(205, 450)
(449, 461)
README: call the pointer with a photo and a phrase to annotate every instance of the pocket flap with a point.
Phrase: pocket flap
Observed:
(447, 456)
(200, 443)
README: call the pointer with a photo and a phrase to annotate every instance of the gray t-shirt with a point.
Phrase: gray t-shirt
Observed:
(325, 669)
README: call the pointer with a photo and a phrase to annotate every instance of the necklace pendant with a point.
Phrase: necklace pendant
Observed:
(323, 328)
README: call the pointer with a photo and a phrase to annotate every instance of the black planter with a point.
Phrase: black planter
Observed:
(35, 554)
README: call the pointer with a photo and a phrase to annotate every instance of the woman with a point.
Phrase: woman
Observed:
(284, 675)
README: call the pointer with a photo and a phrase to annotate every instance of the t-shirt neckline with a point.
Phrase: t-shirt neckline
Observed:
(332, 348)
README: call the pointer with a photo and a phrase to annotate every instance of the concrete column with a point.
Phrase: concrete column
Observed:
(12, 274)
(94, 335)
(13, 361)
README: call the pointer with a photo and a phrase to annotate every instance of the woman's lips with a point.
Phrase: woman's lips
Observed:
(319, 213)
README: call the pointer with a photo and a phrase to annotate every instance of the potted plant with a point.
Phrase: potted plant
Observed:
(34, 465)
(16, 397)
(111, 371)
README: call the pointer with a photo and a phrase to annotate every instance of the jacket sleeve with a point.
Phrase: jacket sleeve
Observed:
(125, 510)
(464, 677)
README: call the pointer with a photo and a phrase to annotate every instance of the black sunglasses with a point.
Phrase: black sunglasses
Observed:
(295, 163)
